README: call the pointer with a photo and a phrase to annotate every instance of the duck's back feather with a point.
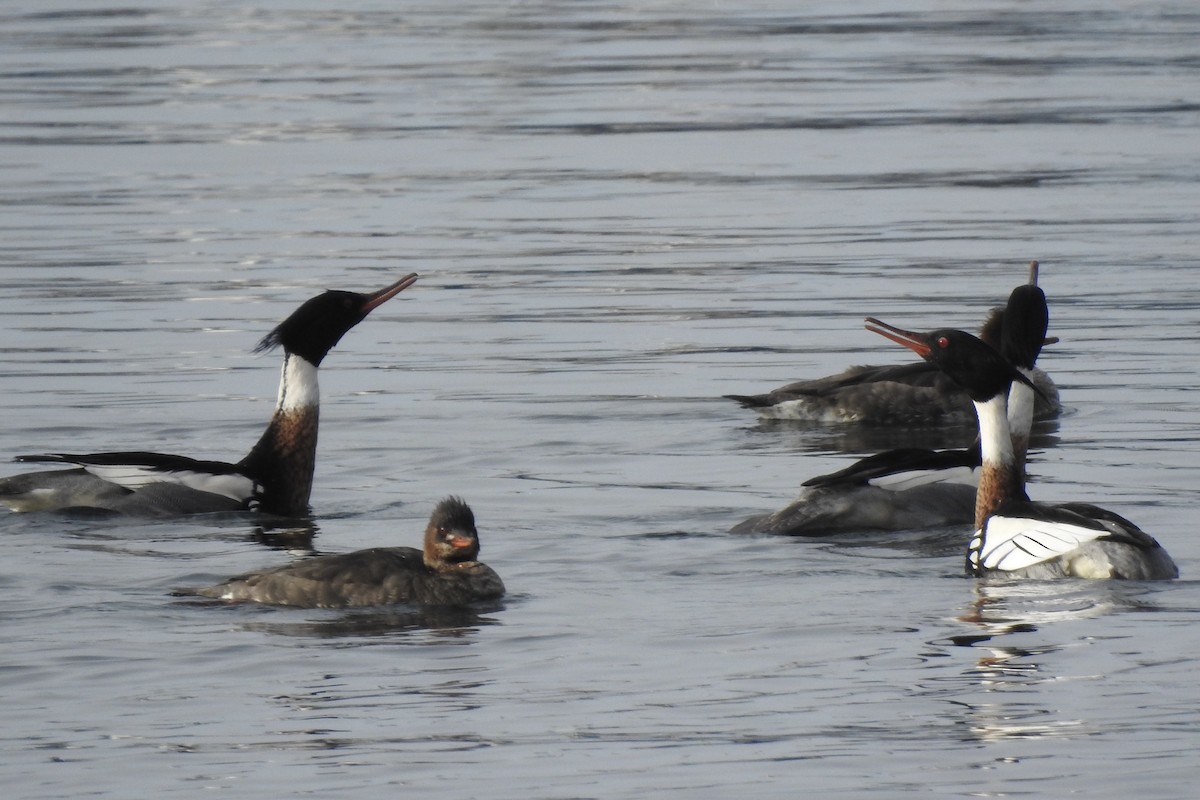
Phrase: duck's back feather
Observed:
(378, 576)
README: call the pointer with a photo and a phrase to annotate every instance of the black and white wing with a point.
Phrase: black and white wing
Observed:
(906, 468)
(138, 471)
(1007, 544)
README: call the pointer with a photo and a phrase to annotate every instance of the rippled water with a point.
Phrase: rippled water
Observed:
(619, 212)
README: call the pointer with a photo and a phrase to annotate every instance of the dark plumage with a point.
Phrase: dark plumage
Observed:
(902, 394)
(445, 573)
(915, 487)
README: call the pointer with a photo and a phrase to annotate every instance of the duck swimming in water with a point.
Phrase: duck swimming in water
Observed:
(445, 573)
(915, 488)
(1015, 536)
(916, 394)
(276, 475)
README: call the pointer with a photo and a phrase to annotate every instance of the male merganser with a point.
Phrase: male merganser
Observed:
(900, 394)
(444, 574)
(1015, 536)
(911, 488)
(275, 477)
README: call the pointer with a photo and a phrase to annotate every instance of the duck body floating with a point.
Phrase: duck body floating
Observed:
(275, 477)
(1015, 536)
(918, 488)
(909, 395)
(444, 573)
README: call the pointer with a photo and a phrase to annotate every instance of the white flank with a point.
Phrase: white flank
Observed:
(1011, 543)
(234, 486)
(806, 410)
(134, 477)
(298, 384)
(899, 481)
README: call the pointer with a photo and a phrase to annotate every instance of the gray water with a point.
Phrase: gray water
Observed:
(620, 212)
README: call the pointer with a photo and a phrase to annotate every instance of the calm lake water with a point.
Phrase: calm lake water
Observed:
(619, 212)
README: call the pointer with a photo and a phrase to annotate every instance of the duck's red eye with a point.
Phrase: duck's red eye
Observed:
(943, 342)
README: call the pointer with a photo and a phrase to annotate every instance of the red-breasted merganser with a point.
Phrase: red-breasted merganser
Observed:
(1015, 536)
(274, 478)
(912, 488)
(444, 574)
(900, 394)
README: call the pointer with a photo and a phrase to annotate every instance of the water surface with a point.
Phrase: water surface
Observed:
(620, 212)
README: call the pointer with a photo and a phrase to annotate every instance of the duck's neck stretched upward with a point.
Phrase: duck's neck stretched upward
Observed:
(284, 458)
(298, 387)
(1021, 400)
(999, 478)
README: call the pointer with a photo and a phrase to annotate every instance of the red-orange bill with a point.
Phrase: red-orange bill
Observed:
(376, 299)
(913, 341)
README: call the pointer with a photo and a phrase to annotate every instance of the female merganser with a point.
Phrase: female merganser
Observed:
(912, 488)
(275, 477)
(444, 574)
(902, 394)
(1015, 536)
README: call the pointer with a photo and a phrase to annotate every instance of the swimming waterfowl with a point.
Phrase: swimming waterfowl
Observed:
(916, 394)
(1015, 536)
(445, 573)
(912, 488)
(276, 475)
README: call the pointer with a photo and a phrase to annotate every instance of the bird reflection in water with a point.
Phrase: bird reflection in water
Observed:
(447, 624)
(1006, 700)
(287, 534)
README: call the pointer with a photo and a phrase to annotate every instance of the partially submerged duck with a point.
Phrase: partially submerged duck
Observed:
(445, 573)
(276, 475)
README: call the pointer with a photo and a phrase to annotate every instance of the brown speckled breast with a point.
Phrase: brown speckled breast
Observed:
(996, 484)
(283, 462)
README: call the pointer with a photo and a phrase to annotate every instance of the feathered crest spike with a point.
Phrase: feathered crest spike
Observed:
(268, 342)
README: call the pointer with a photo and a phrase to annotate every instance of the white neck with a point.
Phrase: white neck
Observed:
(1021, 399)
(297, 385)
(995, 441)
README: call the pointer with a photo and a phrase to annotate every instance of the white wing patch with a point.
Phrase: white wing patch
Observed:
(899, 481)
(1012, 543)
(136, 476)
